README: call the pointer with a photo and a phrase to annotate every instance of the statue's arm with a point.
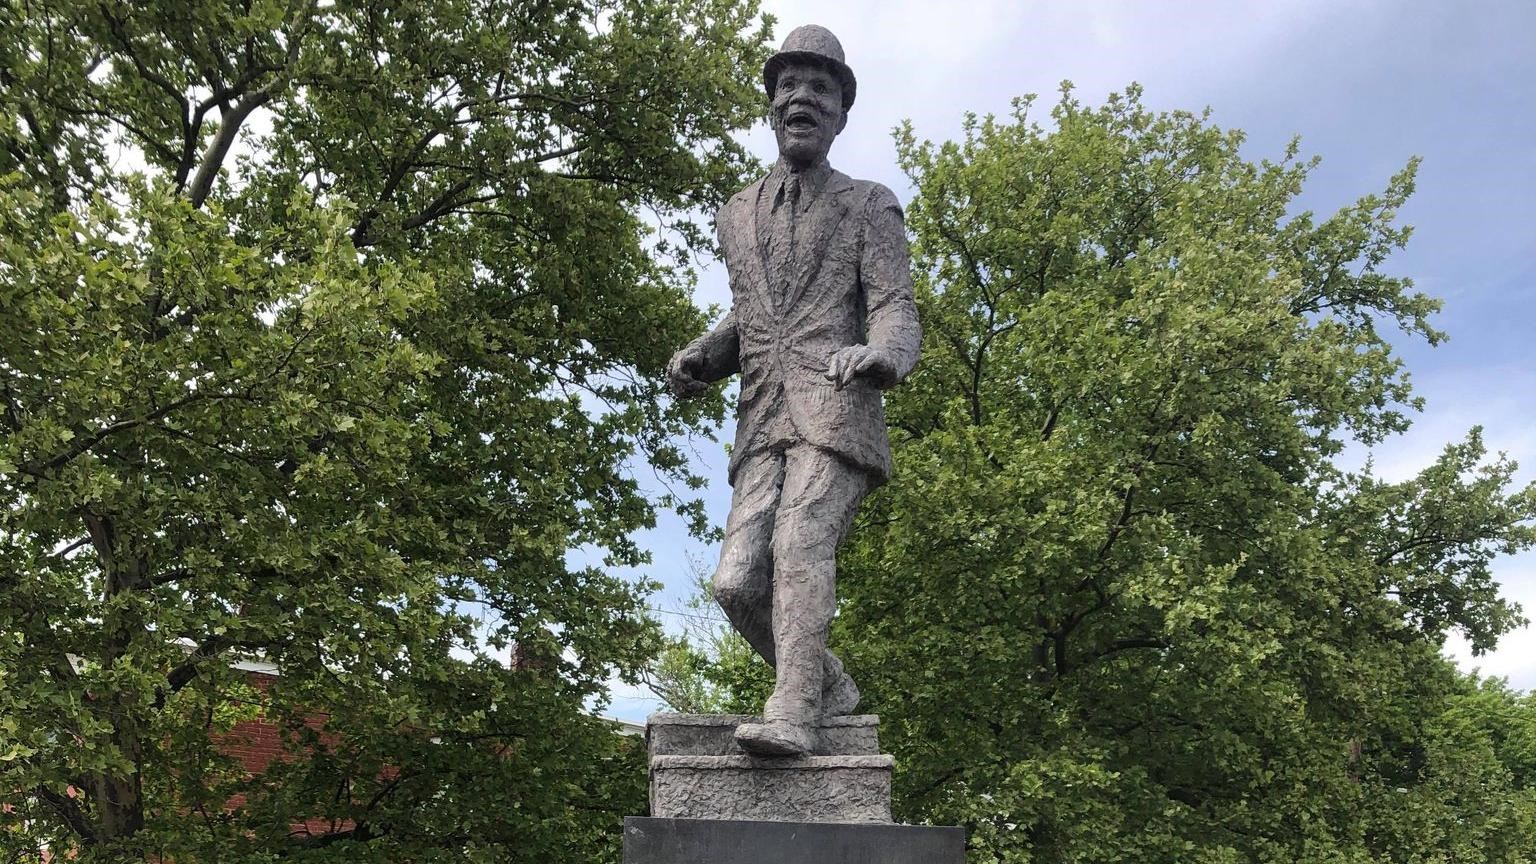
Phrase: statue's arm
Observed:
(719, 350)
(720, 347)
(885, 271)
(710, 357)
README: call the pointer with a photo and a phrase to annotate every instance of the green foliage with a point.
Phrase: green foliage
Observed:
(709, 668)
(328, 330)
(1118, 603)
(1466, 791)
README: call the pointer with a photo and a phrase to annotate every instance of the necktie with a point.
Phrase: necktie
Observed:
(781, 253)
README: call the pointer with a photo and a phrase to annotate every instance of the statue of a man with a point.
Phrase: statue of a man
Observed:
(822, 320)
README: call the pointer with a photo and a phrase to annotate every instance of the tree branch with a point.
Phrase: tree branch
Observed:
(1428, 540)
(1049, 428)
(184, 674)
(12, 409)
(173, 575)
(397, 175)
(360, 833)
(167, 153)
(229, 127)
(1120, 645)
(39, 469)
(125, 42)
(70, 812)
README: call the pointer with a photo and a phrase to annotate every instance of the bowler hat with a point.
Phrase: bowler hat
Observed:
(814, 44)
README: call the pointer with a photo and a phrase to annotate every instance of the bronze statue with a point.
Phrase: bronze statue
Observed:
(822, 320)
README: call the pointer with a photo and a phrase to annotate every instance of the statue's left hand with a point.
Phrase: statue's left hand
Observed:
(861, 360)
(684, 371)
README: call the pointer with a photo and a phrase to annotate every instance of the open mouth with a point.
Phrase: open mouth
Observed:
(800, 121)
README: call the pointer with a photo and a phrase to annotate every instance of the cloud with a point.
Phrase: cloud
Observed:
(1456, 399)
(1515, 658)
(631, 703)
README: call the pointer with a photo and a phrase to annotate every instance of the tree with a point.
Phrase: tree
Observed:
(328, 330)
(1119, 603)
(708, 668)
(1466, 791)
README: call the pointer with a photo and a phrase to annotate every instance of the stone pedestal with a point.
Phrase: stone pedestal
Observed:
(698, 772)
(713, 804)
(718, 841)
(715, 735)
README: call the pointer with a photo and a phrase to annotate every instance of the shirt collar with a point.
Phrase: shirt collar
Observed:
(812, 179)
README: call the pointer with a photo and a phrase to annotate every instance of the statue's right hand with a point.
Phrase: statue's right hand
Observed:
(683, 372)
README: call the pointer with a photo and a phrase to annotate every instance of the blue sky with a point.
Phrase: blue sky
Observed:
(1367, 84)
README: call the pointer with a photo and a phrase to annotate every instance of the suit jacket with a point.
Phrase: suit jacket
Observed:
(853, 285)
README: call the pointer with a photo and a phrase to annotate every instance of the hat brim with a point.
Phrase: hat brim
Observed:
(777, 62)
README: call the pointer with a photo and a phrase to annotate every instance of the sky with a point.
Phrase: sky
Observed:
(1366, 84)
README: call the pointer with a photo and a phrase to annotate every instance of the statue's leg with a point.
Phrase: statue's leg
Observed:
(839, 695)
(743, 584)
(821, 494)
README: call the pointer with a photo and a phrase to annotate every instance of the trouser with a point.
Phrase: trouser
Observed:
(778, 569)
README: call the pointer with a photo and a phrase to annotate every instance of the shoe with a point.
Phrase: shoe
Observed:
(840, 697)
(776, 738)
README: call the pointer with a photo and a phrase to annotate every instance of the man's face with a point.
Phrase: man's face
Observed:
(807, 112)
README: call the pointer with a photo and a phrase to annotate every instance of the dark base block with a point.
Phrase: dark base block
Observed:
(722, 841)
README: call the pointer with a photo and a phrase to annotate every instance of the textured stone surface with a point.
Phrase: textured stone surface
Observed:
(699, 772)
(714, 735)
(800, 789)
(689, 841)
(822, 320)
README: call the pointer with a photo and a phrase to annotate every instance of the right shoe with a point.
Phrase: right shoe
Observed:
(839, 697)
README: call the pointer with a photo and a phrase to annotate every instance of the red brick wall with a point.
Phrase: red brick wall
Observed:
(259, 742)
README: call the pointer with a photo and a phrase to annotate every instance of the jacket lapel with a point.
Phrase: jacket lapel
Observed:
(744, 249)
(821, 224)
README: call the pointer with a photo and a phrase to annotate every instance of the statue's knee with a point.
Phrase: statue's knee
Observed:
(733, 589)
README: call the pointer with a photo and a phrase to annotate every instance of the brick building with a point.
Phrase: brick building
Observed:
(258, 742)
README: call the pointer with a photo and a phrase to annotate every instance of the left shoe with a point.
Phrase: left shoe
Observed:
(776, 738)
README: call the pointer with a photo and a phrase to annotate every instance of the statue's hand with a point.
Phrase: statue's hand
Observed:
(861, 360)
(683, 372)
